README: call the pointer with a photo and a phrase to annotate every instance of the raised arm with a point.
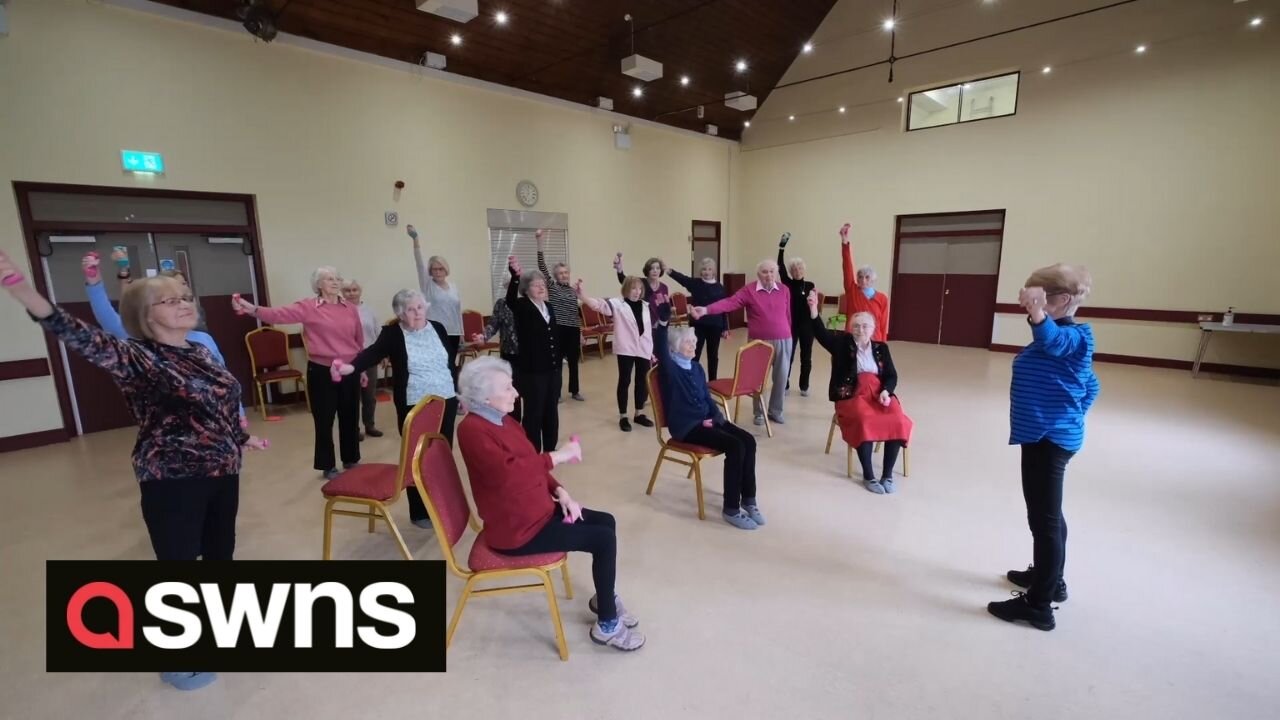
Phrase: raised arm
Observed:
(683, 279)
(617, 267)
(513, 287)
(103, 312)
(829, 340)
(424, 277)
(846, 258)
(601, 306)
(542, 260)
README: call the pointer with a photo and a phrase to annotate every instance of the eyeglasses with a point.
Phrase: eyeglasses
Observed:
(175, 301)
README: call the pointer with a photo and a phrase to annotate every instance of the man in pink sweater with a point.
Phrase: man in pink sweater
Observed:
(768, 305)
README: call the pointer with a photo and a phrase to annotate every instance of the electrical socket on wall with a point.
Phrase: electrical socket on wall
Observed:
(392, 218)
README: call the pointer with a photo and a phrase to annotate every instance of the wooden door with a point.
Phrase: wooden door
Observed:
(705, 243)
(915, 307)
(969, 296)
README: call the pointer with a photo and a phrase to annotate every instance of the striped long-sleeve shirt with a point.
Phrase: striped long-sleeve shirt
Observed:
(561, 296)
(1053, 385)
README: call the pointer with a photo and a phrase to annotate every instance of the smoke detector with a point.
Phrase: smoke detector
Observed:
(462, 11)
(740, 101)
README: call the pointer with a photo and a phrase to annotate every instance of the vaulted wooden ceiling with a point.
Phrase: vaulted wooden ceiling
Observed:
(572, 49)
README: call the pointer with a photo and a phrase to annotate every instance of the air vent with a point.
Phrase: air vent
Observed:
(740, 101)
(462, 11)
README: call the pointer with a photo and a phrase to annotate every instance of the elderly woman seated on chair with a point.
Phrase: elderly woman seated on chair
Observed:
(524, 509)
(694, 417)
(863, 380)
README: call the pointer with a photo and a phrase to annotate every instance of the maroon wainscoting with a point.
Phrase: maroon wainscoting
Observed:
(23, 369)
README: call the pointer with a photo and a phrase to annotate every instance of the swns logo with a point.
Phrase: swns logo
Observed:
(247, 616)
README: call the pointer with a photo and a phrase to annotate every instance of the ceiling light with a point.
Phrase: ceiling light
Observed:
(637, 91)
(841, 108)
(1140, 49)
(808, 48)
(500, 18)
(1255, 22)
(684, 79)
(746, 123)
(888, 24)
(456, 39)
(740, 66)
(1046, 70)
(791, 117)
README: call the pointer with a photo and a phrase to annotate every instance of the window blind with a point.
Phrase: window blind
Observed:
(506, 241)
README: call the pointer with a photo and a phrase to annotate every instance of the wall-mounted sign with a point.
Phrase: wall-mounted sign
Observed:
(141, 162)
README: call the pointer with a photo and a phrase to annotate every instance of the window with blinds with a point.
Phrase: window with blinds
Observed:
(504, 242)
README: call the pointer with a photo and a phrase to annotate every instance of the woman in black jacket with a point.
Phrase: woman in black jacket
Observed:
(792, 275)
(709, 329)
(420, 366)
(537, 367)
(863, 381)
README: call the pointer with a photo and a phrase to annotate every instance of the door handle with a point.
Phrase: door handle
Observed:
(946, 292)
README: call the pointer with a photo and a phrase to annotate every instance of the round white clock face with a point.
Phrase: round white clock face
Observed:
(527, 193)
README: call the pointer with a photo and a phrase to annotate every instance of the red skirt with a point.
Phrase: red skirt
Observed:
(863, 419)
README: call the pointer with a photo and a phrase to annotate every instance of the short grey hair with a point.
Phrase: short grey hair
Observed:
(707, 263)
(318, 274)
(348, 283)
(434, 259)
(677, 335)
(867, 315)
(797, 262)
(403, 299)
(867, 270)
(527, 279)
(556, 268)
(766, 263)
(476, 381)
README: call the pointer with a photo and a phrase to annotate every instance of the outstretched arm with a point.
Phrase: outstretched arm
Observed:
(601, 306)
(423, 275)
(846, 258)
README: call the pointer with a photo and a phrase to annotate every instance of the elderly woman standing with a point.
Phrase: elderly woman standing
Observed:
(801, 330)
(633, 344)
(443, 304)
(694, 417)
(420, 366)
(353, 292)
(538, 364)
(1052, 390)
(860, 291)
(768, 305)
(524, 509)
(188, 452)
(332, 331)
(568, 317)
(656, 294)
(863, 381)
(710, 329)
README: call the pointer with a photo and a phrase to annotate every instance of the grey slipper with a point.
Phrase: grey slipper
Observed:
(887, 484)
(740, 520)
(753, 511)
(874, 486)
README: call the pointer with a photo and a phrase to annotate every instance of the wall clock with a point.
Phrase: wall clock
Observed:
(527, 193)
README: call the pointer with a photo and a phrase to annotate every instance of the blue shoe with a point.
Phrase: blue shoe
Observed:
(740, 520)
(874, 486)
(887, 484)
(753, 511)
(189, 680)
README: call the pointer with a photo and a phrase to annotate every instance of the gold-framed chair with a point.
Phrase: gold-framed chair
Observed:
(848, 460)
(750, 373)
(270, 363)
(376, 486)
(679, 309)
(435, 475)
(681, 453)
(472, 325)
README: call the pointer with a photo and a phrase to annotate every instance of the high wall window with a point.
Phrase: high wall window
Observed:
(963, 102)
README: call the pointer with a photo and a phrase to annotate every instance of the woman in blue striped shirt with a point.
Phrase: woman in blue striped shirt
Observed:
(1053, 388)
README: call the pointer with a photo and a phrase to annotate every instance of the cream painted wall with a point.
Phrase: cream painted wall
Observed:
(1159, 173)
(320, 140)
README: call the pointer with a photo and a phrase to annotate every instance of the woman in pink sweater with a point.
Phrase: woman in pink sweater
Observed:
(632, 343)
(331, 330)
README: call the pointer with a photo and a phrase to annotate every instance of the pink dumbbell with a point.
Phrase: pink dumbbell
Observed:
(12, 280)
(235, 303)
(91, 272)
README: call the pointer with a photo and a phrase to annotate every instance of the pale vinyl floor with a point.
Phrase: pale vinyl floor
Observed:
(847, 605)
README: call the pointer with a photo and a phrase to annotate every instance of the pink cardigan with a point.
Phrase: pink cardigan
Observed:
(332, 331)
(627, 339)
(768, 311)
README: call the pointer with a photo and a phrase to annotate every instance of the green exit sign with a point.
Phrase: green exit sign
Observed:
(141, 162)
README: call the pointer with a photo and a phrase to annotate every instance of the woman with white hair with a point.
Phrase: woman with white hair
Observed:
(524, 509)
(860, 291)
(331, 330)
(863, 382)
(354, 294)
(538, 364)
(420, 367)
(709, 329)
(801, 333)
(443, 304)
(694, 417)
(1052, 390)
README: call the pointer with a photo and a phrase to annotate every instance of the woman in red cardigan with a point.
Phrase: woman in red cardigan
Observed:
(525, 511)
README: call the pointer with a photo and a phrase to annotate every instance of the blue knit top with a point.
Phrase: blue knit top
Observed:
(686, 401)
(1053, 385)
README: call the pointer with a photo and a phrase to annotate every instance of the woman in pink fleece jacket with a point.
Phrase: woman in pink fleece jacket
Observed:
(632, 343)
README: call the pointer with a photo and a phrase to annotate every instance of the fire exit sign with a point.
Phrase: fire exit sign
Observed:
(141, 162)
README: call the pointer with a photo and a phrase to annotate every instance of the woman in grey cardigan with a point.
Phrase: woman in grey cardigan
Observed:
(443, 304)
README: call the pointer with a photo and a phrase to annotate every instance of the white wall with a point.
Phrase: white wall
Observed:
(320, 140)
(1161, 175)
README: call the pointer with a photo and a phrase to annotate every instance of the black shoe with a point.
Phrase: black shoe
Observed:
(373, 432)
(624, 424)
(1024, 578)
(1019, 609)
(348, 466)
(642, 420)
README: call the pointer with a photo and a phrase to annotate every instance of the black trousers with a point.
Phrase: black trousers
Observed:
(626, 364)
(329, 398)
(541, 420)
(659, 342)
(369, 399)
(1044, 467)
(804, 340)
(891, 450)
(570, 341)
(191, 518)
(739, 448)
(710, 337)
(418, 509)
(451, 345)
(596, 533)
